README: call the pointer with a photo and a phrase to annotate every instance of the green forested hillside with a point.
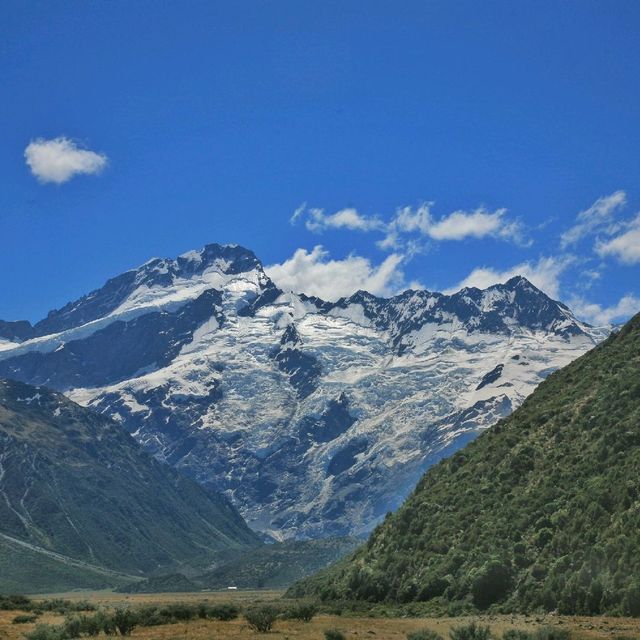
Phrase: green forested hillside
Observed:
(75, 484)
(540, 512)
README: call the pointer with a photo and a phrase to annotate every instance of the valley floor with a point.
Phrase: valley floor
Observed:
(354, 627)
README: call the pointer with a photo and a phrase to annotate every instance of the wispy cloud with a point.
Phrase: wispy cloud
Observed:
(59, 159)
(598, 217)
(545, 274)
(409, 226)
(625, 246)
(315, 273)
(598, 315)
(318, 221)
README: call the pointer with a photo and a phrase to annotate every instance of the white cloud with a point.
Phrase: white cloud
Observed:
(596, 314)
(314, 273)
(544, 274)
(597, 217)
(409, 225)
(318, 220)
(626, 246)
(59, 159)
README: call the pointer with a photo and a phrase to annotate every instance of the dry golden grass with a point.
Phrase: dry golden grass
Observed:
(354, 628)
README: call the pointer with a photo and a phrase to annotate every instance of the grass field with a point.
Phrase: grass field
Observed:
(354, 627)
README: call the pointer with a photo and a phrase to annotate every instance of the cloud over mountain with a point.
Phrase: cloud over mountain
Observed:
(314, 273)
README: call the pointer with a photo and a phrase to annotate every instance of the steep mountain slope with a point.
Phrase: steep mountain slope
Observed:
(314, 417)
(541, 511)
(76, 484)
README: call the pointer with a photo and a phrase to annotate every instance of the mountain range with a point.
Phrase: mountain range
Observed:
(315, 418)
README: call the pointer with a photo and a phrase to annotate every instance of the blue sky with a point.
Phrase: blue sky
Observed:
(349, 144)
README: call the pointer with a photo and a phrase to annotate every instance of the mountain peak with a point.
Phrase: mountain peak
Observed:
(519, 280)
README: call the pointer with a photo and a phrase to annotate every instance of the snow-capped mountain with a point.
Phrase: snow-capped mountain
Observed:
(314, 417)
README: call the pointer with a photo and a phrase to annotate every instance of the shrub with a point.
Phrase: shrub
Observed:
(223, 612)
(334, 634)
(424, 634)
(631, 602)
(517, 634)
(304, 612)
(551, 633)
(47, 632)
(261, 618)
(151, 617)
(25, 618)
(90, 625)
(72, 627)
(125, 621)
(64, 607)
(106, 622)
(178, 612)
(11, 602)
(491, 584)
(470, 631)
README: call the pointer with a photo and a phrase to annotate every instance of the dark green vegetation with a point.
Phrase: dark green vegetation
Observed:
(474, 631)
(56, 605)
(261, 618)
(269, 566)
(542, 512)
(121, 621)
(81, 505)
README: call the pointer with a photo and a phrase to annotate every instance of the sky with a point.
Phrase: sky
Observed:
(351, 145)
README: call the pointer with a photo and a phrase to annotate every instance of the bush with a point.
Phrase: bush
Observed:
(25, 618)
(551, 633)
(106, 622)
(517, 634)
(178, 612)
(491, 584)
(470, 631)
(424, 634)
(72, 627)
(9, 603)
(261, 618)
(151, 617)
(125, 621)
(631, 602)
(334, 634)
(223, 612)
(47, 632)
(90, 625)
(64, 607)
(304, 612)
